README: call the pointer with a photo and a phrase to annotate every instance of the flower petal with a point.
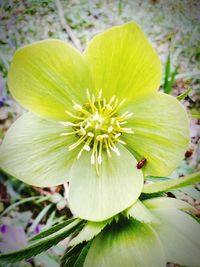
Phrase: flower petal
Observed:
(180, 236)
(123, 62)
(34, 152)
(167, 203)
(128, 244)
(161, 133)
(45, 76)
(139, 212)
(97, 198)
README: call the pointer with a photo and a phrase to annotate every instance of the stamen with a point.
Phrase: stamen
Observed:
(100, 152)
(114, 148)
(122, 142)
(93, 156)
(88, 125)
(69, 133)
(110, 128)
(117, 135)
(107, 147)
(90, 100)
(118, 124)
(97, 126)
(90, 134)
(77, 143)
(68, 123)
(80, 108)
(112, 99)
(76, 106)
(73, 116)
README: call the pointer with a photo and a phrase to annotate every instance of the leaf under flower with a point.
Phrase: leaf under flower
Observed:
(172, 184)
(40, 245)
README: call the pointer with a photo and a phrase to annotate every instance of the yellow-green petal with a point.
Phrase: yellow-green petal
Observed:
(139, 212)
(98, 197)
(47, 75)
(167, 203)
(34, 152)
(128, 244)
(180, 236)
(123, 62)
(178, 231)
(161, 133)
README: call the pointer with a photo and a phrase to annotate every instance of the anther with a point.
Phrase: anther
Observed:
(90, 134)
(110, 128)
(117, 135)
(112, 120)
(86, 147)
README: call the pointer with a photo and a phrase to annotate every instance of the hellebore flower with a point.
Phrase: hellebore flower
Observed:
(92, 117)
(157, 231)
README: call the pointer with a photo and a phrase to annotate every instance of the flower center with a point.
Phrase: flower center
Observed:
(98, 126)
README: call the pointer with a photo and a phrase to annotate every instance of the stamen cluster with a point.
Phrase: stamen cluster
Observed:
(98, 126)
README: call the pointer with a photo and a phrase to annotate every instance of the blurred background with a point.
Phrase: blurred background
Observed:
(173, 27)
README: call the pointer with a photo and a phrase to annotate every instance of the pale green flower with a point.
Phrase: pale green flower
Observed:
(92, 117)
(158, 231)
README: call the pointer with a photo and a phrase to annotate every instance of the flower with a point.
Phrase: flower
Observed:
(12, 238)
(91, 118)
(158, 231)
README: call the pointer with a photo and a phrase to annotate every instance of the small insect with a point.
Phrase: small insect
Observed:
(141, 163)
(189, 153)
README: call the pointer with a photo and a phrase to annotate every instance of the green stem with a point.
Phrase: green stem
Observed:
(172, 184)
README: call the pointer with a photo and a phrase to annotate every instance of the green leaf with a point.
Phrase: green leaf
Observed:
(52, 230)
(40, 245)
(127, 243)
(194, 113)
(38, 219)
(89, 231)
(184, 94)
(82, 256)
(172, 184)
(71, 255)
(156, 178)
(11, 207)
(167, 75)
